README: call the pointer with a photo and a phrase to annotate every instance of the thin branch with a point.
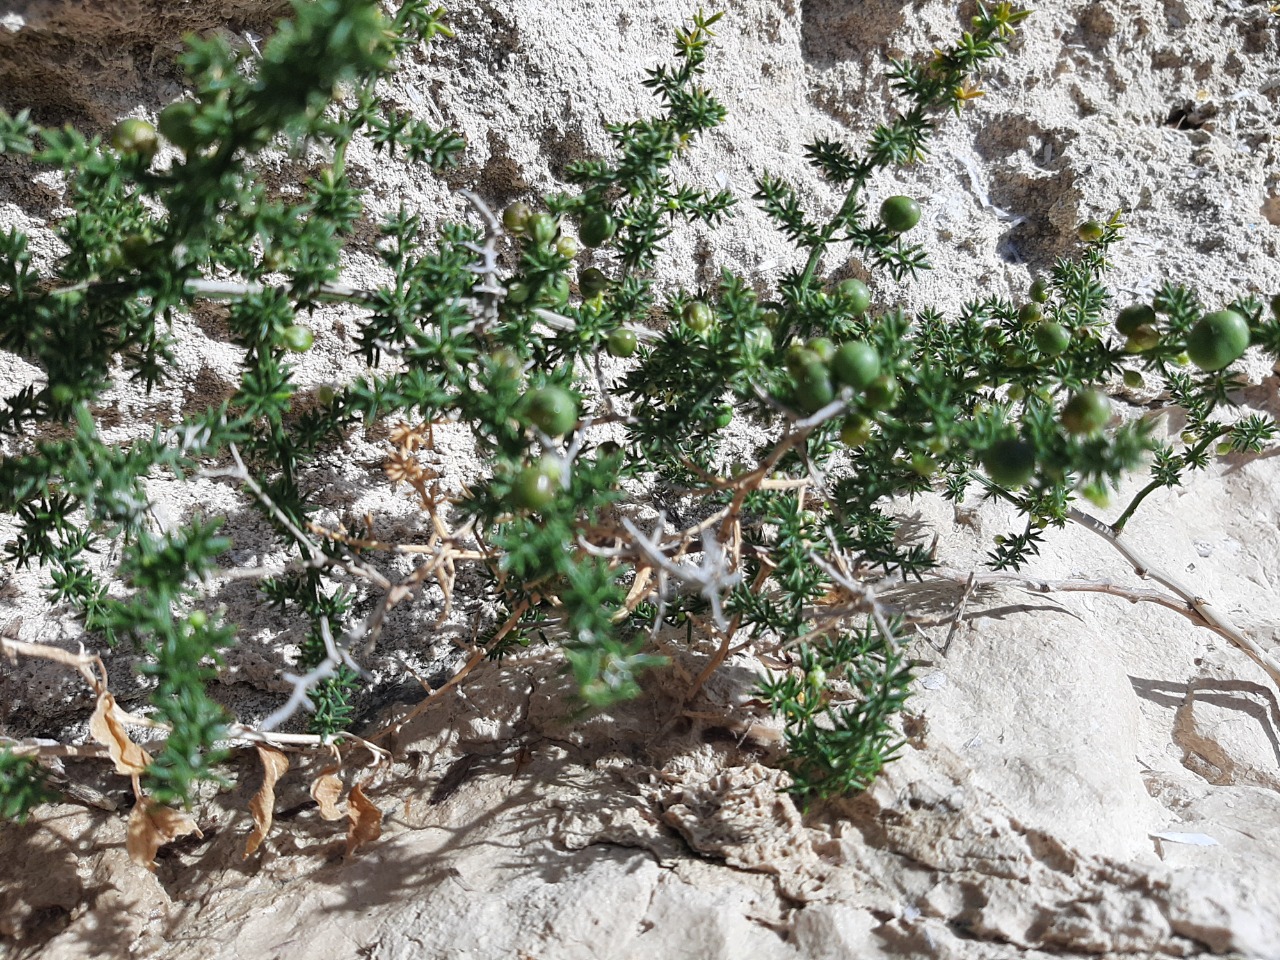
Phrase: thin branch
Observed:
(1207, 612)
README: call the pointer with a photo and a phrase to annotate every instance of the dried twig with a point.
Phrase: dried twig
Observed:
(1198, 606)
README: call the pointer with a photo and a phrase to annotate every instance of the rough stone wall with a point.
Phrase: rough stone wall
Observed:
(1063, 741)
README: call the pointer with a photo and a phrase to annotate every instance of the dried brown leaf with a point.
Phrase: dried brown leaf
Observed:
(106, 728)
(366, 819)
(262, 806)
(325, 790)
(151, 826)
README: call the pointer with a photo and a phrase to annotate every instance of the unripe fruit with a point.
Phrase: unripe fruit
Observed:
(567, 247)
(1086, 412)
(899, 214)
(176, 124)
(924, 464)
(1096, 494)
(553, 410)
(1133, 380)
(855, 431)
(598, 228)
(1132, 317)
(856, 296)
(698, 316)
(799, 356)
(823, 347)
(1144, 338)
(1031, 313)
(1039, 291)
(1052, 338)
(592, 282)
(856, 364)
(1090, 231)
(136, 249)
(505, 362)
(882, 393)
(543, 227)
(135, 136)
(516, 217)
(298, 338)
(723, 416)
(534, 486)
(1218, 340)
(813, 387)
(1009, 462)
(622, 343)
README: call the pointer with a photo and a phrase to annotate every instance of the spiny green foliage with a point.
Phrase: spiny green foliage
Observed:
(137, 239)
(22, 786)
(787, 539)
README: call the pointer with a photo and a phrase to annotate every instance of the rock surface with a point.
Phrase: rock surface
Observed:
(1073, 753)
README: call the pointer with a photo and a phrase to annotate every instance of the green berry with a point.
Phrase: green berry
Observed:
(1030, 314)
(132, 135)
(516, 217)
(1218, 340)
(1144, 338)
(534, 486)
(598, 228)
(1132, 317)
(1086, 412)
(899, 214)
(567, 247)
(856, 296)
(856, 364)
(506, 363)
(1133, 380)
(698, 316)
(882, 393)
(298, 338)
(325, 393)
(622, 342)
(723, 416)
(823, 347)
(813, 387)
(592, 282)
(543, 228)
(1090, 231)
(1039, 291)
(855, 431)
(136, 249)
(799, 356)
(177, 124)
(1010, 462)
(553, 410)
(1052, 338)
(518, 292)
(924, 464)
(1096, 494)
